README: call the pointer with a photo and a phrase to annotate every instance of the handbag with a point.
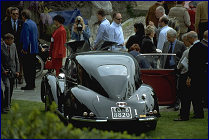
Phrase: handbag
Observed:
(48, 64)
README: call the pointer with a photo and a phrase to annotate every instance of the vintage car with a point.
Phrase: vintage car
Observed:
(101, 87)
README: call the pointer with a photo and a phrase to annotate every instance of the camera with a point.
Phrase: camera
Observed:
(79, 25)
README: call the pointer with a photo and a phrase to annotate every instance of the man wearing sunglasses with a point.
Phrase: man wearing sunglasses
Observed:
(118, 32)
(13, 26)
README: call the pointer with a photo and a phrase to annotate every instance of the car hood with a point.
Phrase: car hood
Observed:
(115, 73)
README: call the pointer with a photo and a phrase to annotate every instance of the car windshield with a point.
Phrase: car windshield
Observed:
(157, 60)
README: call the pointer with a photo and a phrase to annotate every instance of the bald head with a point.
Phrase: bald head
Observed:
(192, 36)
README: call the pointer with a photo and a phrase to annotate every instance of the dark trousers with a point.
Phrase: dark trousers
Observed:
(196, 96)
(2, 100)
(185, 96)
(29, 69)
(202, 28)
(9, 85)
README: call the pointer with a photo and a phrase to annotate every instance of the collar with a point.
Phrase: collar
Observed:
(12, 20)
(5, 44)
(164, 27)
(174, 42)
(116, 24)
(103, 20)
(204, 40)
(179, 5)
(196, 42)
(189, 46)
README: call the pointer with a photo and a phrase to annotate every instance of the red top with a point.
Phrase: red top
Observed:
(192, 19)
(58, 48)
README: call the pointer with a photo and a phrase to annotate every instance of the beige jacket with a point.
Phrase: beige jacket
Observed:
(182, 16)
(201, 13)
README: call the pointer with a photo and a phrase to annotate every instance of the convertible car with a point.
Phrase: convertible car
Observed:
(101, 87)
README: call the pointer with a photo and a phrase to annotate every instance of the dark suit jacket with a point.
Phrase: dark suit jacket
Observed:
(179, 48)
(6, 27)
(134, 39)
(198, 61)
(147, 45)
(9, 61)
(29, 37)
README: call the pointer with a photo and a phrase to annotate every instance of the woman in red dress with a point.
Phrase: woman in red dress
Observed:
(57, 48)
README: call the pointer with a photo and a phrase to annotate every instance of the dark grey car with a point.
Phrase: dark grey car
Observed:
(101, 87)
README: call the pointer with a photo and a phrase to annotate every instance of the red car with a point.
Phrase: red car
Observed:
(162, 80)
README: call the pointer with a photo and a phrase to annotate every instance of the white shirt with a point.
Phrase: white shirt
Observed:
(118, 33)
(13, 23)
(184, 59)
(104, 33)
(162, 37)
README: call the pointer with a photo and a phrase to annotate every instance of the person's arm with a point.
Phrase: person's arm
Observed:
(74, 35)
(161, 41)
(99, 36)
(17, 63)
(86, 32)
(197, 18)
(180, 65)
(187, 18)
(25, 37)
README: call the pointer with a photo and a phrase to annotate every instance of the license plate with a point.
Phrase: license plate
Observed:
(121, 113)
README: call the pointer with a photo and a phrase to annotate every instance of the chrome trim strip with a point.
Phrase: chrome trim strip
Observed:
(88, 120)
(147, 119)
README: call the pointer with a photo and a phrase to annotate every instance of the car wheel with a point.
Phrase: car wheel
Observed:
(43, 91)
(48, 100)
(152, 125)
(39, 66)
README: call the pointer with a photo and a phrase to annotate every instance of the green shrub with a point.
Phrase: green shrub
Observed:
(41, 125)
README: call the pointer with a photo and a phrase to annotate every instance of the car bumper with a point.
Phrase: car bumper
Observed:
(103, 120)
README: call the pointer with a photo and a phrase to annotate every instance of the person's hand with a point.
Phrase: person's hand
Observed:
(17, 74)
(23, 52)
(188, 82)
(5, 72)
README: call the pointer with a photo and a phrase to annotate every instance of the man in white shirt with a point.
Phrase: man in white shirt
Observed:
(104, 32)
(118, 32)
(163, 22)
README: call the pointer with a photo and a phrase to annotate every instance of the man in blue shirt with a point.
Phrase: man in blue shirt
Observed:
(118, 32)
(105, 32)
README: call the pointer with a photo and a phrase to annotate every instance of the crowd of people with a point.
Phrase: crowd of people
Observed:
(170, 28)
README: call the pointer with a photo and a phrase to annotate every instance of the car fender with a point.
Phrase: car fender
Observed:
(101, 106)
(147, 92)
(52, 81)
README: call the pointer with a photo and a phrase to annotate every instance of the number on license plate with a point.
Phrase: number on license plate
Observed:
(121, 113)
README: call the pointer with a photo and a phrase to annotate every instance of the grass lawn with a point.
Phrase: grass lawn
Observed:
(166, 127)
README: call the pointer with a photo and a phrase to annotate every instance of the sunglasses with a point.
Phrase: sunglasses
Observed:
(118, 18)
(15, 13)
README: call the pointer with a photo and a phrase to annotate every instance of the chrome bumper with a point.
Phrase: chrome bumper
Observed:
(102, 120)
(78, 118)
